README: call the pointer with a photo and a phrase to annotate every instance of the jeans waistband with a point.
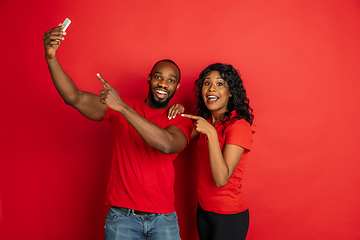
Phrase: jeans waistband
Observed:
(132, 211)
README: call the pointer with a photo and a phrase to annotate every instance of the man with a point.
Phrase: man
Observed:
(146, 142)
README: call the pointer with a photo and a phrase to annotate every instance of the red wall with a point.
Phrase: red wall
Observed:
(300, 63)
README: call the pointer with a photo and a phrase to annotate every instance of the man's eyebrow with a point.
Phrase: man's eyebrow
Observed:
(170, 74)
(173, 76)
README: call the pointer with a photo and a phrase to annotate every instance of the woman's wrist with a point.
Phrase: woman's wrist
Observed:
(212, 134)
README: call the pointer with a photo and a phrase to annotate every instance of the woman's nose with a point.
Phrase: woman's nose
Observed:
(212, 88)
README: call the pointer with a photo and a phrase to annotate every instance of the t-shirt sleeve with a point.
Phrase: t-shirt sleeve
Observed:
(240, 134)
(185, 125)
(109, 113)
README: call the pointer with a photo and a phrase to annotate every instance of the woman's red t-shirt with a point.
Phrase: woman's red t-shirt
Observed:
(228, 199)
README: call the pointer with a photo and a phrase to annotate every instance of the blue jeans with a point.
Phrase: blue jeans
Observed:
(122, 225)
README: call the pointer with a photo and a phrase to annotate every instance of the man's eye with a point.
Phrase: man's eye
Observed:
(171, 80)
(157, 77)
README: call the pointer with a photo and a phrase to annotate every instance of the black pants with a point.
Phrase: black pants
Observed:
(214, 226)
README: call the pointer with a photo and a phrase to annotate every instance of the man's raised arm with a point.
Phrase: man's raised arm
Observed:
(88, 104)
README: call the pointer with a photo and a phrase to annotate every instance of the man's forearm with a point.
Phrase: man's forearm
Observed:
(154, 135)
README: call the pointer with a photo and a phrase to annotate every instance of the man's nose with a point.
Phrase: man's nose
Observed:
(163, 83)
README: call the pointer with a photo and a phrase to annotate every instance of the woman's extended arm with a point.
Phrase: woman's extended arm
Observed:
(222, 163)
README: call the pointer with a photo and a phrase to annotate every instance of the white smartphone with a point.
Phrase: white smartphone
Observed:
(66, 23)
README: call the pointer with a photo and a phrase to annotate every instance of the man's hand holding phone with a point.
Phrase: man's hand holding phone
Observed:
(53, 38)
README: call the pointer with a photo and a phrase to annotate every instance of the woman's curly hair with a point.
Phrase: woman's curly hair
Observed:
(238, 101)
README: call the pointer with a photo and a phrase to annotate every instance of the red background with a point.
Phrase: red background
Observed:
(300, 64)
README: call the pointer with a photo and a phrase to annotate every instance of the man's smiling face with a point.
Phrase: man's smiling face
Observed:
(163, 83)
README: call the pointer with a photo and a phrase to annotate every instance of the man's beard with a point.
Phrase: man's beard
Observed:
(157, 104)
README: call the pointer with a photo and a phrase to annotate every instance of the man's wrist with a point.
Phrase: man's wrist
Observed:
(122, 107)
(49, 59)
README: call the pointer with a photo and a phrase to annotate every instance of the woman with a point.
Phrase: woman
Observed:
(223, 124)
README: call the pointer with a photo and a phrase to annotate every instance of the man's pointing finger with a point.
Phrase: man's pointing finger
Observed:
(103, 81)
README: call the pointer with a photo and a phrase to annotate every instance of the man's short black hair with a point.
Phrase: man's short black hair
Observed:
(169, 61)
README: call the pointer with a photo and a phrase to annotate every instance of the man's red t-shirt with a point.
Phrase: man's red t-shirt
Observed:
(141, 177)
(228, 199)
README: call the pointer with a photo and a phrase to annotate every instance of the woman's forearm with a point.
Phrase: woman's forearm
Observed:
(219, 169)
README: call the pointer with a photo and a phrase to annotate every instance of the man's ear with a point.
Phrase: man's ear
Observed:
(178, 85)
(148, 79)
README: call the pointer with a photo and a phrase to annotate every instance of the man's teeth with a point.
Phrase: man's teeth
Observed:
(161, 92)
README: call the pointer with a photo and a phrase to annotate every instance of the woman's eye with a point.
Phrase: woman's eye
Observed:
(220, 84)
(206, 83)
